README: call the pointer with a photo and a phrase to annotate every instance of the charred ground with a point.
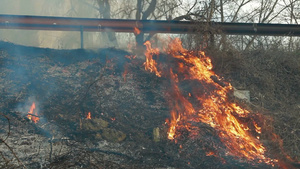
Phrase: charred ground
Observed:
(126, 104)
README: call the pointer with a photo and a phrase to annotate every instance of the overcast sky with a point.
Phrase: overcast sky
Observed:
(46, 7)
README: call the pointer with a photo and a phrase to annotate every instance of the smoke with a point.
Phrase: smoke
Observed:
(54, 39)
(24, 107)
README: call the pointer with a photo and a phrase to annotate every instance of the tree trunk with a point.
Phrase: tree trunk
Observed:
(104, 11)
(140, 37)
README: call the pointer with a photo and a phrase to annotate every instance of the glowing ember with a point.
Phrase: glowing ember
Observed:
(89, 116)
(131, 57)
(210, 105)
(210, 153)
(32, 114)
(136, 31)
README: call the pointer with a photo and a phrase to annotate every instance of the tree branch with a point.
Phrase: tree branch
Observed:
(238, 10)
(149, 10)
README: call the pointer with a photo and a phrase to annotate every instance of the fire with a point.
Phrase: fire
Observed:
(136, 31)
(210, 102)
(89, 116)
(32, 114)
(150, 63)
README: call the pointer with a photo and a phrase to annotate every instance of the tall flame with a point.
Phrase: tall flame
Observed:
(32, 114)
(150, 63)
(210, 105)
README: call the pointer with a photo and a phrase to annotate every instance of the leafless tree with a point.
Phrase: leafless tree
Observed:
(258, 11)
(270, 11)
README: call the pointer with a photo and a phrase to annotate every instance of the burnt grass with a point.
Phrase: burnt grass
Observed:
(66, 84)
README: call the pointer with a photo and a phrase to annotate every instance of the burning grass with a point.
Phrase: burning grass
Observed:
(272, 77)
(212, 106)
(105, 106)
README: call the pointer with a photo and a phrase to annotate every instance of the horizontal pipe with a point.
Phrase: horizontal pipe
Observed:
(146, 26)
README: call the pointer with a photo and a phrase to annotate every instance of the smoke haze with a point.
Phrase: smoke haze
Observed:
(53, 39)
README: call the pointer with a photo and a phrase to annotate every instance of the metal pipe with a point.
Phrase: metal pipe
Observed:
(146, 26)
(81, 37)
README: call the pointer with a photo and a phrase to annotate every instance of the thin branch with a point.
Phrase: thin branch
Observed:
(281, 11)
(89, 5)
(12, 151)
(8, 133)
(238, 10)
(270, 12)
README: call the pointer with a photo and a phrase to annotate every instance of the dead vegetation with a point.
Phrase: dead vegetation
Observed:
(273, 78)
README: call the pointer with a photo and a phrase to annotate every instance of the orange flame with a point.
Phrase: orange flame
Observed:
(212, 106)
(32, 114)
(89, 116)
(125, 72)
(150, 63)
(136, 31)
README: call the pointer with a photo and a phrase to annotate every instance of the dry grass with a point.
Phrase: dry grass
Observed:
(273, 78)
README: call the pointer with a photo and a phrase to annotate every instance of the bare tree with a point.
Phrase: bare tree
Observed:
(270, 11)
(259, 11)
